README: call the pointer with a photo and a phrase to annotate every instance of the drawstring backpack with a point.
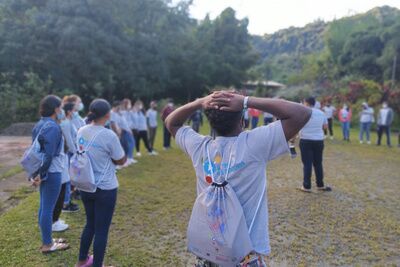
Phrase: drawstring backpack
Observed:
(217, 229)
(33, 157)
(81, 170)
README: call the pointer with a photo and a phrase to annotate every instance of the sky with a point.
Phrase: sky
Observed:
(268, 16)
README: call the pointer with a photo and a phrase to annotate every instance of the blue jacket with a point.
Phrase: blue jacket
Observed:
(50, 140)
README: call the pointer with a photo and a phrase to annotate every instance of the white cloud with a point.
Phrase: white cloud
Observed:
(268, 16)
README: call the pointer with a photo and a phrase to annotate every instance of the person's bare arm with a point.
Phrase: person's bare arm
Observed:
(293, 116)
(178, 117)
(120, 161)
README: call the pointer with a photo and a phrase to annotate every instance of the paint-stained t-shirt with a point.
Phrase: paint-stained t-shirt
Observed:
(249, 154)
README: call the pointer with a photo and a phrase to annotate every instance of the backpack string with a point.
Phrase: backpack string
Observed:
(210, 166)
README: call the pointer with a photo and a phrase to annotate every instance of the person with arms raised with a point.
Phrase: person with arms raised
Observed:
(241, 156)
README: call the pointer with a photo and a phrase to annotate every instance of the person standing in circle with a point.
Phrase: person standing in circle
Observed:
(329, 111)
(142, 130)
(345, 119)
(48, 177)
(152, 121)
(105, 152)
(168, 109)
(385, 119)
(312, 147)
(366, 119)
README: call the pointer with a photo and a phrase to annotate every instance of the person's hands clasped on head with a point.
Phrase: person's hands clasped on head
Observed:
(231, 176)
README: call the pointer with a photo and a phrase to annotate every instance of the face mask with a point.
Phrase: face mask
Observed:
(170, 105)
(129, 107)
(81, 106)
(61, 115)
(75, 114)
(384, 105)
(107, 124)
(140, 106)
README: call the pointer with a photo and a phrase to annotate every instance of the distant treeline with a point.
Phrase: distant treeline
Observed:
(114, 49)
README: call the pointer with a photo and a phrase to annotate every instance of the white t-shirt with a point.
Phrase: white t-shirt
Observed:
(105, 147)
(329, 110)
(120, 121)
(141, 121)
(152, 117)
(313, 130)
(251, 151)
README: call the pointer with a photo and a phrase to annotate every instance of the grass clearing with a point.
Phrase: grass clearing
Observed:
(11, 172)
(356, 224)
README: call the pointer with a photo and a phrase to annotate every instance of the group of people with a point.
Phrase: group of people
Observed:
(366, 117)
(109, 135)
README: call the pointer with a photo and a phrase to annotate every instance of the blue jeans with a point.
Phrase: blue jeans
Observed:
(346, 130)
(254, 122)
(128, 143)
(99, 207)
(49, 192)
(365, 127)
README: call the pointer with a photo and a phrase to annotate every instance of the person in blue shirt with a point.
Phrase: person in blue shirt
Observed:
(48, 177)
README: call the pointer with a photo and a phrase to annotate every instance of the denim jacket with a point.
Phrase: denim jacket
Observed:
(51, 144)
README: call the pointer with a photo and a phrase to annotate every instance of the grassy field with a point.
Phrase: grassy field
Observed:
(356, 224)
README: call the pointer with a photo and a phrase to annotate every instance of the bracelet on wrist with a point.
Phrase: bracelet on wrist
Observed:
(245, 102)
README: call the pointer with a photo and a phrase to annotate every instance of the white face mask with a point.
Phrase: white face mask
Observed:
(81, 106)
(129, 107)
(385, 105)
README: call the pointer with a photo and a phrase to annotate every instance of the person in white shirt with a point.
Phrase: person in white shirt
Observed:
(268, 118)
(312, 147)
(385, 119)
(366, 119)
(151, 115)
(142, 131)
(329, 111)
(251, 150)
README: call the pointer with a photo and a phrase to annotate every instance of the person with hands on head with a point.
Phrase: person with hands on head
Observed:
(48, 177)
(246, 152)
(105, 152)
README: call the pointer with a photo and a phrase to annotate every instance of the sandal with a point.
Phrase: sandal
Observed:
(325, 189)
(304, 189)
(56, 247)
(59, 240)
(88, 263)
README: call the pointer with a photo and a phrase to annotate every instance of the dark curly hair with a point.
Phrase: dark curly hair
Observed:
(223, 122)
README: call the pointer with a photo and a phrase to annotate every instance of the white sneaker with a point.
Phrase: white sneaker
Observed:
(331, 137)
(129, 161)
(59, 226)
(118, 167)
(153, 153)
(134, 161)
(125, 165)
(361, 142)
(369, 142)
(139, 154)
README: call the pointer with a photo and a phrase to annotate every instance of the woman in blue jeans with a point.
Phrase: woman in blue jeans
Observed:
(48, 177)
(105, 152)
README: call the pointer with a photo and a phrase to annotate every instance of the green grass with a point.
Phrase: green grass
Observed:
(11, 172)
(356, 224)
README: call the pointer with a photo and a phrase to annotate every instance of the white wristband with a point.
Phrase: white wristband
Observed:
(245, 101)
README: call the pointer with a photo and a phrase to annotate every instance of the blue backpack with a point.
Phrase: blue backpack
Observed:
(33, 158)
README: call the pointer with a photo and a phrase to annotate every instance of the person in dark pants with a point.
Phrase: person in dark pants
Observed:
(329, 111)
(105, 152)
(168, 109)
(312, 147)
(197, 120)
(385, 119)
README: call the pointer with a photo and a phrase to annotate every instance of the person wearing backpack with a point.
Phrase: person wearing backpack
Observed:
(230, 170)
(48, 134)
(102, 147)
